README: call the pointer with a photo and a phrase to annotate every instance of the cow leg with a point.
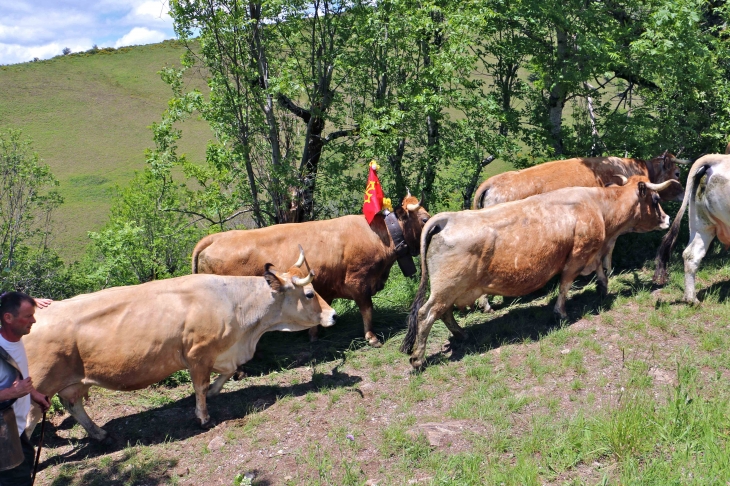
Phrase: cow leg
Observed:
(602, 280)
(566, 281)
(200, 376)
(72, 398)
(426, 317)
(452, 325)
(609, 254)
(217, 385)
(365, 303)
(693, 255)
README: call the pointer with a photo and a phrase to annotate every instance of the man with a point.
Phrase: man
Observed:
(16, 318)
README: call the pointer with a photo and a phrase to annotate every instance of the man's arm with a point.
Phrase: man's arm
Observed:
(17, 389)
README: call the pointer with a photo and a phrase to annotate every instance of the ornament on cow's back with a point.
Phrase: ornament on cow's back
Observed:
(373, 204)
(374, 201)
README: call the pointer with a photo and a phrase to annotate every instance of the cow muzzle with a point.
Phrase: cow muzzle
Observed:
(329, 319)
(665, 222)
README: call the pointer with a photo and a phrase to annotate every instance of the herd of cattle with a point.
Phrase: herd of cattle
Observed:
(526, 227)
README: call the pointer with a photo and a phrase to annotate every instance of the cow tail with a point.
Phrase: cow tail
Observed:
(431, 229)
(665, 249)
(478, 202)
(202, 245)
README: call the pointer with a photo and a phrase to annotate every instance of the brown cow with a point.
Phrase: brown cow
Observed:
(352, 258)
(127, 338)
(577, 172)
(515, 248)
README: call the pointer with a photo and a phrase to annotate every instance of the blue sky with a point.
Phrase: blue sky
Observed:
(42, 28)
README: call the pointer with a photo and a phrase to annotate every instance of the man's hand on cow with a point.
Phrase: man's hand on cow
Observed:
(19, 388)
(40, 399)
(43, 303)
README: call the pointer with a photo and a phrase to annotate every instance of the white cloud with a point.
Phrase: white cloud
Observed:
(42, 28)
(14, 53)
(140, 35)
(154, 9)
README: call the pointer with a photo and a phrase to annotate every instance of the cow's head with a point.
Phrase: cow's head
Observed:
(412, 216)
(650, 214)
(665, 167)
(301, 306)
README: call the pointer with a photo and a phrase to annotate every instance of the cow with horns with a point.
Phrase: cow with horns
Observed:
(127, 338)
(577, 172)
(515, 248)
(352, 258)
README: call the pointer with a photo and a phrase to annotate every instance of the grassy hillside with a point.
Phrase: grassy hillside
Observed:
(89, 119)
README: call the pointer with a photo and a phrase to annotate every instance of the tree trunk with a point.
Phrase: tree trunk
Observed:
(396, 165)
(558, 92)
(471, 186)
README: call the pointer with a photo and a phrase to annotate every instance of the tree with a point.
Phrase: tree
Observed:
(27, 200)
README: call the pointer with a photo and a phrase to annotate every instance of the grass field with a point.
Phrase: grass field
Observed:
(631, 389)
(88, 117)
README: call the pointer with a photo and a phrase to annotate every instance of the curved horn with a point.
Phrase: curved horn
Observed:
(658, 187)
(301, 282)
(408, 192)
(681, 161)
(412, 207)
(300, 260)
(621, 178)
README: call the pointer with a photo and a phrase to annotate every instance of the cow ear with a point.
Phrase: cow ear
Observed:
(276, 284)
(642, 189)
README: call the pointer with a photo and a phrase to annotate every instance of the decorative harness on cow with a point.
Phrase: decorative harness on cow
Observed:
(405, 261)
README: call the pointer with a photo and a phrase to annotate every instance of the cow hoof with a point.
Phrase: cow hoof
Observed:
(375, 343)
(208, 425)
(416, 363)
(102, 438)
(693, 301)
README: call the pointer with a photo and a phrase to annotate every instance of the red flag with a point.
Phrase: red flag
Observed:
(373, 203)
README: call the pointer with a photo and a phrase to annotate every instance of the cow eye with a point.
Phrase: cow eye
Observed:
(655, 199)
(309, 295)
(424, 220)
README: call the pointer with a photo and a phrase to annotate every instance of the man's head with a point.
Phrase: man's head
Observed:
(16, 315)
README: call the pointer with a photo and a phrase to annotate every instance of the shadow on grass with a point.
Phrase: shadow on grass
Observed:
(133, 467)
(176, 421)
(532, 322)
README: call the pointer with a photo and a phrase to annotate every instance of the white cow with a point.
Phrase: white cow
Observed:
(127, 338)
(709, 217)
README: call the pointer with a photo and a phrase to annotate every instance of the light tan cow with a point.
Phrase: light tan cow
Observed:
(127, 338)
(515, 248)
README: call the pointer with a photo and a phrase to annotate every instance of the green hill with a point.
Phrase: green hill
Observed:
(88, 115)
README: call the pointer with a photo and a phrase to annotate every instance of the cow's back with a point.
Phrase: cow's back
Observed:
(339, 251)
(551, 176)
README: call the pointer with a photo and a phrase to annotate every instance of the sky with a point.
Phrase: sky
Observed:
(43, 28)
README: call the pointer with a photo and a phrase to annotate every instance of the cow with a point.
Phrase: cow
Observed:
(577, 172)
(515, 248)
(352, 258)
(709, 217)
(127, 338)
